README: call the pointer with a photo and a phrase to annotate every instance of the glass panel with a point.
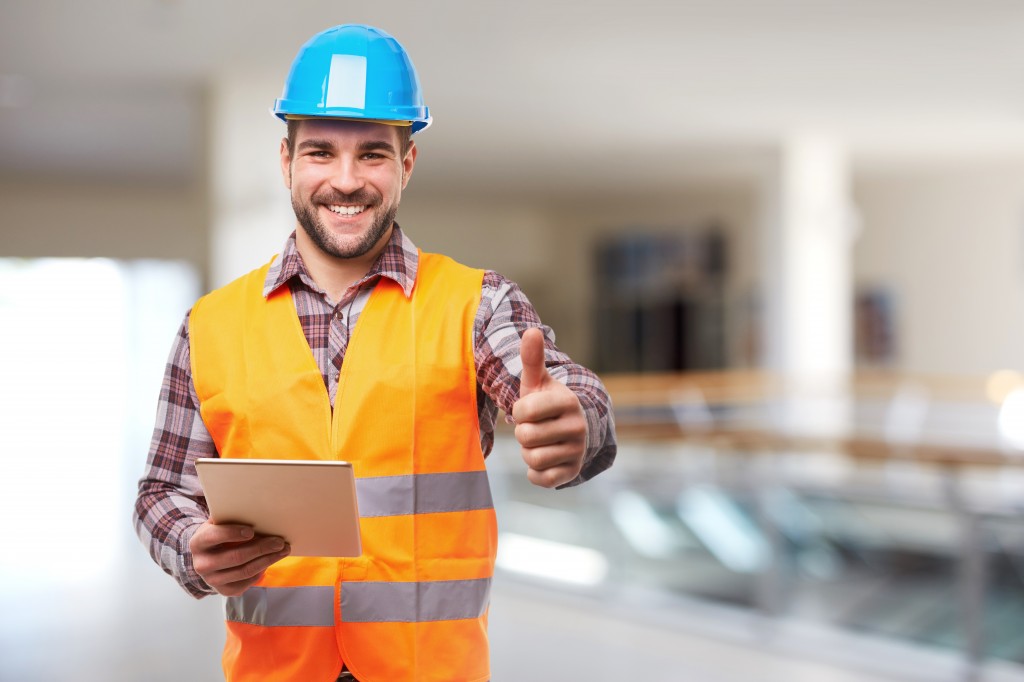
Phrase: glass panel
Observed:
(890, 549)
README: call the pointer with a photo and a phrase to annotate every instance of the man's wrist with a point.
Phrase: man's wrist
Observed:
(188, 577)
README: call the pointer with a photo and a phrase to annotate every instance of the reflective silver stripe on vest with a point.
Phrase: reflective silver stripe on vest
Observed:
(380, 602)
(273, 606)
(423, 493)
(361, 602)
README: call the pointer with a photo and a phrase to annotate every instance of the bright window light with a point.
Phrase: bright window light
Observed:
(724, 530)
(551, 560)
(1011, 418)
(76, 344)
(646, 532)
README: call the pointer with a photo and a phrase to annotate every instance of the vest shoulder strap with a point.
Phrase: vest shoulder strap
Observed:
(213, 318)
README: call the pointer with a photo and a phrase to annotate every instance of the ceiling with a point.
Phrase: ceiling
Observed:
(532, 94)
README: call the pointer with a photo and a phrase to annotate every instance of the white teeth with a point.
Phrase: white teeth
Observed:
(347, 210)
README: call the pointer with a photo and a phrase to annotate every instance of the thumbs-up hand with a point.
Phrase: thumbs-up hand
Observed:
(550, 425)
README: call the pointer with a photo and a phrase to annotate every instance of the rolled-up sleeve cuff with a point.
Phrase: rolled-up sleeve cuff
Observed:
(186, 572)
(601, 445)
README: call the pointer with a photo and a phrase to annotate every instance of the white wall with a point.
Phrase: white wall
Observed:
(76, 218)
(948, 240)
(250, 214)
(548, 247)
(578, 225)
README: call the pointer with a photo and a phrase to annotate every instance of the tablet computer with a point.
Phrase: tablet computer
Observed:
(309, 503)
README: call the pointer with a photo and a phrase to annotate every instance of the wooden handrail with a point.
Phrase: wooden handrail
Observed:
(747, 385)
(644, 407)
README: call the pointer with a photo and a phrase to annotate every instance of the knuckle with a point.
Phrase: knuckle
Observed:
(525, 434)
(235, 557)
(253, 569)
(240, 575)
(196, 542)
(543, 479)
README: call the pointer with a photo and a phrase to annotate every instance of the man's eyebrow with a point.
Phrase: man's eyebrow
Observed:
(326, 144)
(315, 143)
(377, 145)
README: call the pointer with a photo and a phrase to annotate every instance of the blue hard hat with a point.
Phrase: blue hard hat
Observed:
(353, 71)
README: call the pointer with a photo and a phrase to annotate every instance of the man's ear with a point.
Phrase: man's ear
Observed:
(286, 164)
(408, 162)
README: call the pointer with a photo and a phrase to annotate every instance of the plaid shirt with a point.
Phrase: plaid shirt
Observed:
(170, 505)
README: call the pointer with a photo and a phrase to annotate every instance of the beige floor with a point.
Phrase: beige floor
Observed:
(570, 638)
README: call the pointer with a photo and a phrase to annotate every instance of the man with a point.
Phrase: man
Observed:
(275, 365)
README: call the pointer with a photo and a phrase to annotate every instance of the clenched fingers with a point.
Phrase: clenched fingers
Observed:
(554, 476)
(553, 450)
(552, 432)
(230, 558)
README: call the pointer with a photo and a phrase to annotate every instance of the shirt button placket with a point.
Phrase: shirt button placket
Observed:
(337, 333)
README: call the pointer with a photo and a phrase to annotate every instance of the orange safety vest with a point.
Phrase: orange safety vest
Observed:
(414, 606)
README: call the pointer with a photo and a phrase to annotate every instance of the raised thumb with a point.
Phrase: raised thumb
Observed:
(531, 352)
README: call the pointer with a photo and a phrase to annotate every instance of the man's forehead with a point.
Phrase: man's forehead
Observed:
(345, 128)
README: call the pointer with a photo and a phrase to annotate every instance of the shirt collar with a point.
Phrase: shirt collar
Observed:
(399, 261)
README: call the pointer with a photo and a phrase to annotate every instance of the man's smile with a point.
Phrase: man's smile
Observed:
(346, 210)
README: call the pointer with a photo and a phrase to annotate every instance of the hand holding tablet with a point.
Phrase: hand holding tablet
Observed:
(309, 503)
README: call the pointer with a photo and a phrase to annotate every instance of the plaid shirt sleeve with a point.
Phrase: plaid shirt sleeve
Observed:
(504, 313)
(170, 505)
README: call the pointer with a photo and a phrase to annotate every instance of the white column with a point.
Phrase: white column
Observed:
(251, 209)
(807, 234)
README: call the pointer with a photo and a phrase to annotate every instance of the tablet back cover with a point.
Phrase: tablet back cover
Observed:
(310, 503)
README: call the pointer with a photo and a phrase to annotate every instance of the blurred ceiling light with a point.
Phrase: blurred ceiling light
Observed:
(1011, 418)
(551, 560)
(1002, 383)
(14, 91)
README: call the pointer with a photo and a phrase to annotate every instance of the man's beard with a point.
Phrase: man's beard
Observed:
(306, 213)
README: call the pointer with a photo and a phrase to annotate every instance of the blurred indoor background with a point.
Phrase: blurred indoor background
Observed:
(789, 235)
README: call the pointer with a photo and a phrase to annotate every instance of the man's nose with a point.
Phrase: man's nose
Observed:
(346, 177)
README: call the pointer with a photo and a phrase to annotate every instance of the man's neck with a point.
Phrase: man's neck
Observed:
(332, 274)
